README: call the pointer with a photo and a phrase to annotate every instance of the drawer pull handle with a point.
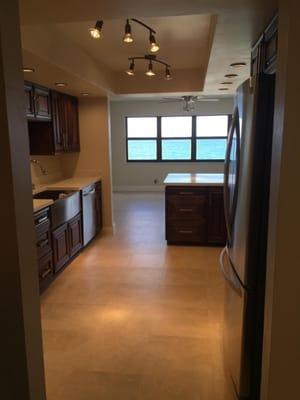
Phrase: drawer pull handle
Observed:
(42, 243)
(186, 193)
(186, 232)
(47, 272)
(39, 221)
(185, 209)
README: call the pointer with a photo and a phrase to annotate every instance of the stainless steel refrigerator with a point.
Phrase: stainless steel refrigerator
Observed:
(243, 260)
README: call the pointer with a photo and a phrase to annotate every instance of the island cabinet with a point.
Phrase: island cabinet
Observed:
(195, 215)
(60, 133)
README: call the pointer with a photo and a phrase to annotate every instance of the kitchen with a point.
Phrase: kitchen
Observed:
(76, 275)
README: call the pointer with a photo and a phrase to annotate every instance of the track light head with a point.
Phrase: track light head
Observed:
(96, 32)
(168, 75)
(150, 71)
(154, 47)
(130, 71)
(128, 36)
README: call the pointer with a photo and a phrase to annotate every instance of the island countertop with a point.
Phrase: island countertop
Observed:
(194, 180)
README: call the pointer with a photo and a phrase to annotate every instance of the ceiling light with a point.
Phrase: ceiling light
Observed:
(150, 71)
(226, 83)
(26, 69)
(231, 75)
(84, 94)
(60, 84)
(128, 36)
(168, 75)
(96, 32)
(154, 46)
(238, 64)
(130, 71)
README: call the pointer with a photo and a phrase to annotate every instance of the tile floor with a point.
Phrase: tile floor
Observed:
(131, 318)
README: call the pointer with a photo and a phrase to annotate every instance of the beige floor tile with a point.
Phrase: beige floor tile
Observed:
(132, 318)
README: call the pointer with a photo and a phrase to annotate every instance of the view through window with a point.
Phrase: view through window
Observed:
(177, 138)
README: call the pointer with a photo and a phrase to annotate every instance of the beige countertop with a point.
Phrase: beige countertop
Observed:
(75, 183)
(39, 204)
(194, 180)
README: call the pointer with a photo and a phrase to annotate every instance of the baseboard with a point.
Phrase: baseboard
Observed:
(109, 230)
(150, 188)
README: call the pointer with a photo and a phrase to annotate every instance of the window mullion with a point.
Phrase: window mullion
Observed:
(194, 139)
(159, 155)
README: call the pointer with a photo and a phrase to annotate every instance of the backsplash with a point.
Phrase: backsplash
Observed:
(53, 166)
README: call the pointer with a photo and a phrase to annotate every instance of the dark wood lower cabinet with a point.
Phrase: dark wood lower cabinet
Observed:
(66, 242)
(60, 240)
(75, 235)
(195, 215)
(46, 271)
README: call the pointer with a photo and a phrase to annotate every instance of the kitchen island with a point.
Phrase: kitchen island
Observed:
(194, 209)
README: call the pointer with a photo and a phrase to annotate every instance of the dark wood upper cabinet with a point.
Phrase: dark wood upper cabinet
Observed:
(61, 133)
(29, 100)
(38, 102)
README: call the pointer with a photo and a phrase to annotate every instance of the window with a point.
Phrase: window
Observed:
(178, 138)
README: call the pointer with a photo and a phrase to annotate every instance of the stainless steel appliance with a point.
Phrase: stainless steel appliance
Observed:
(91, 212)
(243, 260)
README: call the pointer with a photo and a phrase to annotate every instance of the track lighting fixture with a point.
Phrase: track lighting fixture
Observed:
(128, 36)
(96, 32)
(151, 58)
(130, 71)
(154, 47)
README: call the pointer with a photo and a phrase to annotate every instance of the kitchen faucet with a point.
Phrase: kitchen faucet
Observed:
(43, 169)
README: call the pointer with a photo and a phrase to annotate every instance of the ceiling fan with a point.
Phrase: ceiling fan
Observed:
(188, 101)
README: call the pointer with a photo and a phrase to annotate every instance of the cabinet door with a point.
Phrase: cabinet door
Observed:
(46, 271)
(270, 47)
(60, 242)
(75, 235)
(72, 142)
(58, 119)
(42, 103)
(29, 99)
(216, 225)
(256, 58)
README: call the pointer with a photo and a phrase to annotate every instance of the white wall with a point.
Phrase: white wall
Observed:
(141, 176)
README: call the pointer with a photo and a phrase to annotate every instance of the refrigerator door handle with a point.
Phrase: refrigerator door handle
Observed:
(229, 218)
(231, 279)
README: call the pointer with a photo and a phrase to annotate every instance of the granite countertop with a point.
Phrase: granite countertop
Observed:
(39, 204)
(75, 183)
(194, 180)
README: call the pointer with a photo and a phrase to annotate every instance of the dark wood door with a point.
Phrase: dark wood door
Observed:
(60, 242)
(42, 103)
(75, 235)
(216, 218)
(29, 99)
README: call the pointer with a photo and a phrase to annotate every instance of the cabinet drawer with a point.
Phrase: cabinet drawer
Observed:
(46, 271)
(186, 207)
(43, 238)
(187, 191)
(187, 232)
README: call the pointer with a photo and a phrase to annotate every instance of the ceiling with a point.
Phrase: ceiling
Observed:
(199, 39)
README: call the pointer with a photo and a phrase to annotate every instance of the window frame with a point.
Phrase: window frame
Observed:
(159, 138)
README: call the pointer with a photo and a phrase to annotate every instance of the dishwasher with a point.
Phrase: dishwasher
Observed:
(90, 212)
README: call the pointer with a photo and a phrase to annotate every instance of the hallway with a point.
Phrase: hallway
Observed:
(132, 319)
